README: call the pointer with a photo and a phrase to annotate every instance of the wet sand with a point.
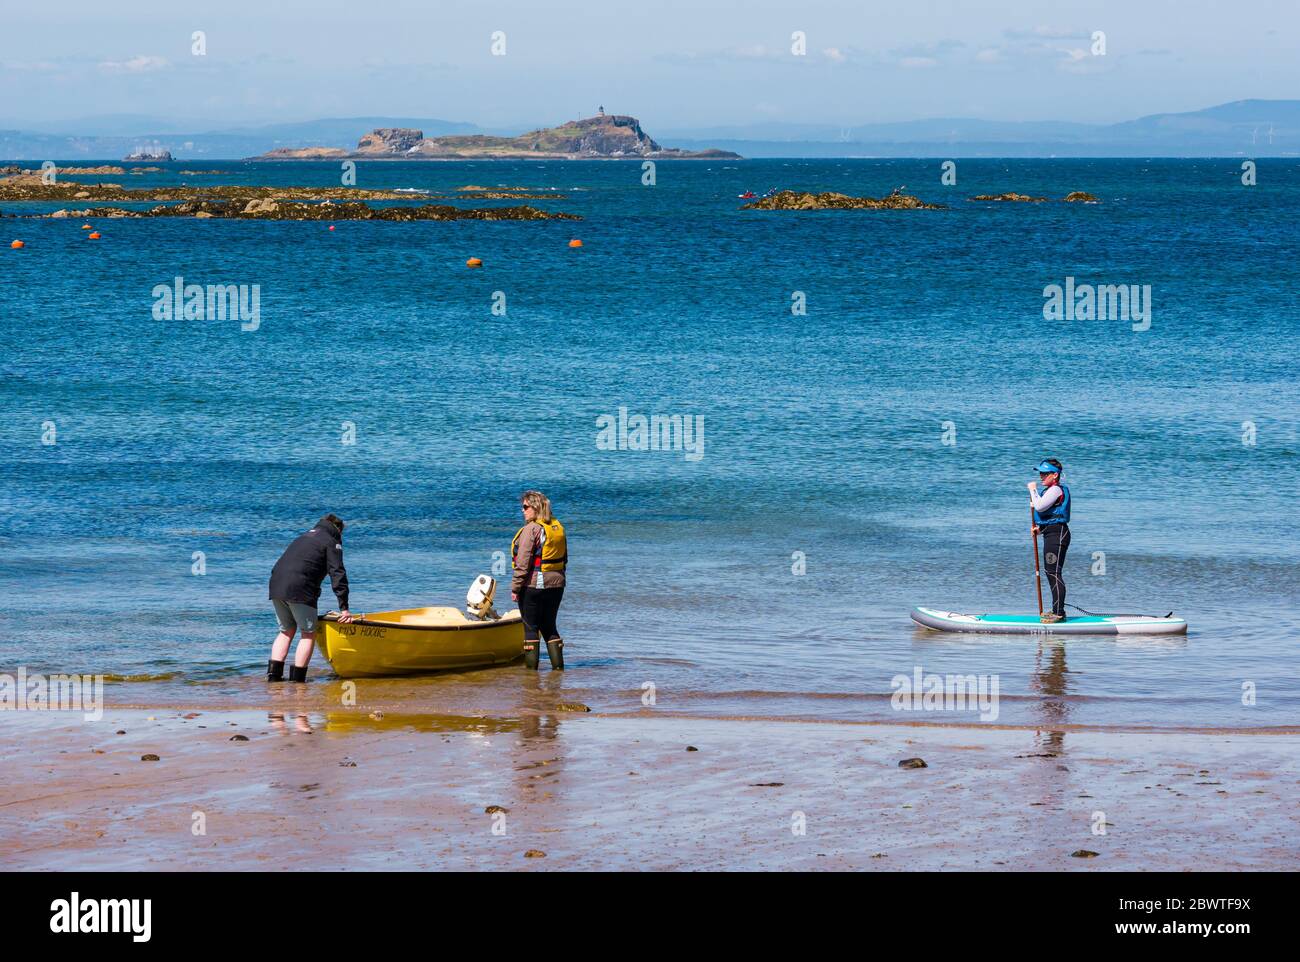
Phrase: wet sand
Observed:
(341, 790)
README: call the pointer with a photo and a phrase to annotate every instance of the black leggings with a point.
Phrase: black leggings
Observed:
(1056, 542)
(539, 606)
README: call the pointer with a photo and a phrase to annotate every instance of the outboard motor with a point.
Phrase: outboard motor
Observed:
(478, 600)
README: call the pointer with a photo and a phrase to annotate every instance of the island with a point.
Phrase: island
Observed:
(153, 153)
(603, 137)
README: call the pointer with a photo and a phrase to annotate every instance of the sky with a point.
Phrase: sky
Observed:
(677, 65)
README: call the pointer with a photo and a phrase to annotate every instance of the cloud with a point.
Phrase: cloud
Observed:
(989, 55)
(752, 53)
(1047, 33)
(38, 65)
(1078, 60)
(140, 63)
(834, 54)
(922, 56)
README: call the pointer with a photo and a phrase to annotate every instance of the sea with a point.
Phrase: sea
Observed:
(868, 393)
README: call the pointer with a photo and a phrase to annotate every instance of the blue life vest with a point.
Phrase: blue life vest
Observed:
(1058, 513)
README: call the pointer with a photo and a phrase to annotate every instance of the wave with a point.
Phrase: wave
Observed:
(159, 676)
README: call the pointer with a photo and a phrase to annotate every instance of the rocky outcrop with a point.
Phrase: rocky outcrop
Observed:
(1010, 198)
(509, 195)
(31, 187)
(265, 206)
(607, 136)
(390, 141)
(1081, 197)
(796, 200)
(19, 176)
(328, 211)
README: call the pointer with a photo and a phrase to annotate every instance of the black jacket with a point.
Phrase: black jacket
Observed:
(298, 574)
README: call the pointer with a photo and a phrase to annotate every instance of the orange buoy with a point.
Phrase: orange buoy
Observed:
(93, 235)
(473, 262)
(17, 244)
(575, 243)
(85, 227)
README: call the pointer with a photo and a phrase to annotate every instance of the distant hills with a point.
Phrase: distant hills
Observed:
(1241, 128)
(228, 144)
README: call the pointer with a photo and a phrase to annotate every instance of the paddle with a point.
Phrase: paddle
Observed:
(1038, 574)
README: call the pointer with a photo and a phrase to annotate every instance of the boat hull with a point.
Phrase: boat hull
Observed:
(939, 620)
(417, 641)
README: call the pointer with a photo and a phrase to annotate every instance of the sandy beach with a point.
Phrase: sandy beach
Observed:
(360, 788)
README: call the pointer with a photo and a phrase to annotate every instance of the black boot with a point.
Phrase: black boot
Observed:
(298, 674)
(531, 654)
(274, 670)
(555, 651)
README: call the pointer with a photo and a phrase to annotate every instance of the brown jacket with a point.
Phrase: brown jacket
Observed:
(530, 541)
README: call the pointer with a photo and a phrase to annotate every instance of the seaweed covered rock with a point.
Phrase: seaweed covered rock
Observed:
(29, 187)
(268, 209)
(830, 200)
(1010, 198)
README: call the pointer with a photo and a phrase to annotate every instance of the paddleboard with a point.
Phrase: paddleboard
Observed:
(1030, 625)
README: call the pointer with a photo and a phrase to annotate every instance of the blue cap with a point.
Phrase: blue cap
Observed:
(1046, 467)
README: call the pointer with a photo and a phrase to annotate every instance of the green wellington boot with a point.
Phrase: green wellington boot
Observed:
(555, 651)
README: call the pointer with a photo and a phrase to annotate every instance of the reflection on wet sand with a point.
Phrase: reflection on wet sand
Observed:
(1050, 679)
(537, 705)
(360, 720)
(280, 724)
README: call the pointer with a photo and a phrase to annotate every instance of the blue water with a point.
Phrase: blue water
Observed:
(822, 433)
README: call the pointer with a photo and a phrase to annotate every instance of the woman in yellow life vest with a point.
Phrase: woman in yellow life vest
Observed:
(540, 552)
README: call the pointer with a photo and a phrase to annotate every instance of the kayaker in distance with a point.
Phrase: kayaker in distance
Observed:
(540, 554)
(295, 589)
(1052, 520)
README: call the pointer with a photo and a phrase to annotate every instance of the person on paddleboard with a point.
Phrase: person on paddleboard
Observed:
(1052, 521)
(295, 589)
(540, 555)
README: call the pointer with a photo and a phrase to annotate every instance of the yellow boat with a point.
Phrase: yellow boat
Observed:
(416, 640)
